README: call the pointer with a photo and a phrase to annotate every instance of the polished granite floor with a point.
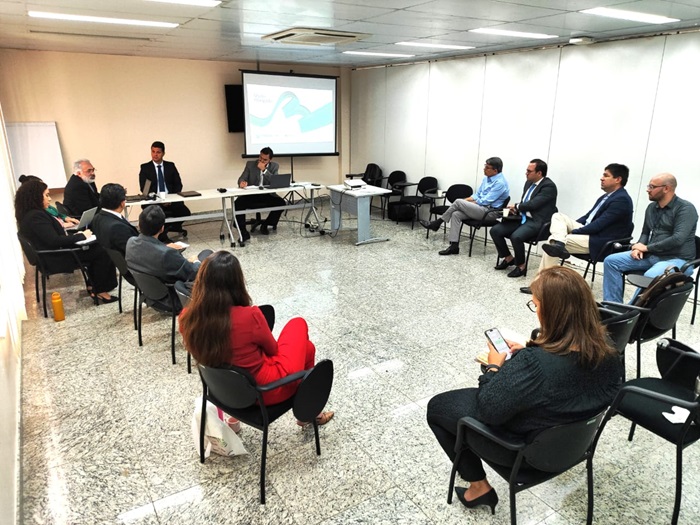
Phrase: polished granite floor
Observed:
(106, 434)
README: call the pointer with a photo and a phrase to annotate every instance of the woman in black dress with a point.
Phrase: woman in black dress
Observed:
(567, 373)
(45, 232)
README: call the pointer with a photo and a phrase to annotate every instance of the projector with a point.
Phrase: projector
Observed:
(352, 184)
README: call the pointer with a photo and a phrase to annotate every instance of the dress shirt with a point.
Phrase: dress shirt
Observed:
(669, 232)
(493, 191)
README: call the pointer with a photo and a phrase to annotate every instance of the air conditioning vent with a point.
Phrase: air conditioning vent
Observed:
(313, 37)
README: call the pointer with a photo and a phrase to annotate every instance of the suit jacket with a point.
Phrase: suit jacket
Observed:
(542, 203)
(173, 183)
(44, 232)
(148, 255)
(612, 221)
(79, 196)
(251, 173)
(113, 232)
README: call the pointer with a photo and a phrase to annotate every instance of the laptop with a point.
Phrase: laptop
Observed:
(86, 219)
(141, 196)
(283, 180)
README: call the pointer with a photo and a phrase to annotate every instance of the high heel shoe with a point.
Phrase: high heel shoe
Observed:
(490, 499)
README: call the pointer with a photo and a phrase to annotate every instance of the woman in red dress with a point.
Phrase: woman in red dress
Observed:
(221, 326)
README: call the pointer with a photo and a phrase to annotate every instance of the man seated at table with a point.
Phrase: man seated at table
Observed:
(492, 193)
(258, 173)
(147, 254)
(164, 179)
(80, 193)
(610, 218)
(538, 204)
(109, 226)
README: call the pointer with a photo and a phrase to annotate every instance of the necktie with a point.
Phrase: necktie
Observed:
(527, 198)
(161, 180)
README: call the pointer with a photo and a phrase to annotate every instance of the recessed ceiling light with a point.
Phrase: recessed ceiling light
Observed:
(629, 15)
(435, 46)
(505, 32)
(100, 19)
(370, 54)
(199, 3)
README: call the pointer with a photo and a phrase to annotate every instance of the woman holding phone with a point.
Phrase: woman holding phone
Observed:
(567, 373)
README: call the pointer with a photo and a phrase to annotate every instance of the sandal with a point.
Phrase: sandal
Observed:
(321, 419)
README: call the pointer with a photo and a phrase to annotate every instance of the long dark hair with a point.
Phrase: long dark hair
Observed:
(569, 317)
(29, 196)
(206, 323)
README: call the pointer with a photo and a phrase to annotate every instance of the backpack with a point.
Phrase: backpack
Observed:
(671, 278)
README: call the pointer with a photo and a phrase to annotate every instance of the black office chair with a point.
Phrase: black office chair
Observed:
(657, 318)
(540, 457)
(42, 263)
(425, 185)
(124, 274)
(394, 178)
(490, 218)
(608, 248)
(63, 209)
(619, 326)
(162, 297)
(235, 391)
(644, 401)
(371, 176)
(454, 192)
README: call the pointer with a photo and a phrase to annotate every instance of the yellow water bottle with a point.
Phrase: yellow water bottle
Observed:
(57, 304)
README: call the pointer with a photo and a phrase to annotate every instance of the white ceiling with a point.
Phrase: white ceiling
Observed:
(233, 30)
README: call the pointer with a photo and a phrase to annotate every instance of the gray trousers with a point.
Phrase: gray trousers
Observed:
(461, 209)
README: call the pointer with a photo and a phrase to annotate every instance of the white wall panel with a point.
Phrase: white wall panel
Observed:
(605, 101)
(406, 119)
(519, 97)
(454, 122)
(367, 119)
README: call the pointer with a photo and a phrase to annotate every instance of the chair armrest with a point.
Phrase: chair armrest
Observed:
(486, 431)
(62, 250)
(284, 381)
(626, 306)
(640, 281)
(404, 184)
(694, 263)
(650, 394)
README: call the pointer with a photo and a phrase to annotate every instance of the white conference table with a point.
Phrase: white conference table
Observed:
(229, 197)
(356, 202)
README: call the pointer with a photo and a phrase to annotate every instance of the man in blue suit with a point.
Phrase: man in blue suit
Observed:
(609, 218)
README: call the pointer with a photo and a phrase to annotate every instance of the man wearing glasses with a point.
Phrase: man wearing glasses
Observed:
(492, 193)
(80, 193)
(668, 238)
(538, 204)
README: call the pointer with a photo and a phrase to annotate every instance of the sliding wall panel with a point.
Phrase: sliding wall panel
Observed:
(454, 122)
(406, 119)
(603, 111)
(674, 140)
(367, 118)
(519, 94)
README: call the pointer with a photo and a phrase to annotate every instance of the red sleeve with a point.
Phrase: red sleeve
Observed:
(263, 336)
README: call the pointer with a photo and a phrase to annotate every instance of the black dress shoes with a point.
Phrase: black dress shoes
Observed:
(504, 264)
(556, 249)
(517, 272)
(245, 235)
(432, 225)
(452, 249)
(525, 289)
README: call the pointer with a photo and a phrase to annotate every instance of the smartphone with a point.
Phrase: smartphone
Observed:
(496, 339)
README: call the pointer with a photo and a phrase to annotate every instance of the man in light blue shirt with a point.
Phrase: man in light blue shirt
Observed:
(491, 194)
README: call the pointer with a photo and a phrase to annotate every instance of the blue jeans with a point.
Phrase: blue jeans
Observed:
(615, 264)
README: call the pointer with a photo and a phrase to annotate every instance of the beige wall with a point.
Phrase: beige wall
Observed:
(110, 109)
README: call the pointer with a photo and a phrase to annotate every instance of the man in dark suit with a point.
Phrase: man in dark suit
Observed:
(257, 173)
(164, 179)
(538, 204)
(80, 193)
(109, 226)
(610, 218)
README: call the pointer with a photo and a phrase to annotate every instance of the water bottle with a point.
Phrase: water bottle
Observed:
(57, 304)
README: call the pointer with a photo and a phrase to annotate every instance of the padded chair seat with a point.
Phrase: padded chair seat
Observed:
(647, 412)
(416, 199)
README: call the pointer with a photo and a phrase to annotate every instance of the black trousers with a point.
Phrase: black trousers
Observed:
(264, 200)
(444, 411)
(518, 235)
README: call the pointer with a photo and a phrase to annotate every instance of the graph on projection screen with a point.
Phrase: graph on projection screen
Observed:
(35, 150)
(292, 114)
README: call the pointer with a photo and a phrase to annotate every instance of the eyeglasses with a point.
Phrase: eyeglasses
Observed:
(532, 306)
(652, 187)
